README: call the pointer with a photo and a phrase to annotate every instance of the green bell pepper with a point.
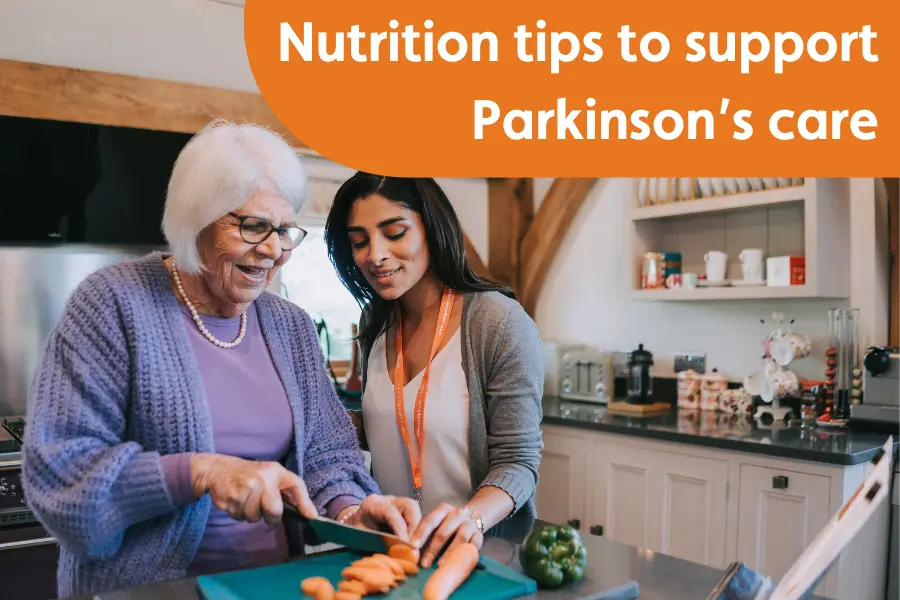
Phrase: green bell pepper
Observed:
(553, 555)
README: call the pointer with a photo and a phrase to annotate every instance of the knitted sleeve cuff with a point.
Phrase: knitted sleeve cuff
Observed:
(177, 474)
(512, 483)
(335, 507)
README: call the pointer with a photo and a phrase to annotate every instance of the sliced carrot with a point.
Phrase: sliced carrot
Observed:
(325, 591)
(352, 586)
(391, 563)
(410, 568)
(375, 580)
(373, 563)
(311, 584)
(404, 552)
(454, 568)
(347, 596)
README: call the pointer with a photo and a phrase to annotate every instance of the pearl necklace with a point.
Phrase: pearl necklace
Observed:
(199, 321)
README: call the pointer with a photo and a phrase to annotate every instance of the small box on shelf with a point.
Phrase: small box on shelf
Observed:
(784, 271)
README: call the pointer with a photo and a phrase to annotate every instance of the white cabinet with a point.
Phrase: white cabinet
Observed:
(780, 514)
(563, 476)
(664, 502)
(693, 493)
(708, 506)
(621, 495)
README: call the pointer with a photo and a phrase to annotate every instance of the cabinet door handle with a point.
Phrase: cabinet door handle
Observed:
(27, 543)
(597, 530)
(780, 482)
(574, 523)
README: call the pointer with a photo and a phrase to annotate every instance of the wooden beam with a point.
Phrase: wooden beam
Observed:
(510, 212)
(546, 233)
(65, 94)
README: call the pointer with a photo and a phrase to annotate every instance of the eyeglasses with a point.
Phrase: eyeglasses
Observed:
(256, 230)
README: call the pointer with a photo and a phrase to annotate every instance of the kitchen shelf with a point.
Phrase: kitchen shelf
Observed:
(721, 203)
(810, 220)
(761, 292)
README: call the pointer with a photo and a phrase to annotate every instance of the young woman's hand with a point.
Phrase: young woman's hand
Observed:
(249, 490)
(400, 515)
(448, 523)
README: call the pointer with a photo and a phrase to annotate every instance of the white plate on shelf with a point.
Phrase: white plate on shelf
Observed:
(731, 185)
(745, 283)
(686, 185)
(718, 185)
(642, 191)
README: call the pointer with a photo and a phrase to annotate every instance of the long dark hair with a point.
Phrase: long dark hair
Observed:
(443, 235)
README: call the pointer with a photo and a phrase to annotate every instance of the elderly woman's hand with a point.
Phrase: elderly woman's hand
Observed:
(397, 514)
(443, 523)
(249, 490)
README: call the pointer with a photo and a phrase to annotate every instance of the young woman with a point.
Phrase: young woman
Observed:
(452, 365)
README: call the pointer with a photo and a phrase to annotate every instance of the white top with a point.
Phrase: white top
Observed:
(445, 468)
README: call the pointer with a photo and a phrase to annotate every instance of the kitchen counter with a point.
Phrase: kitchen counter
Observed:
(724, 431)
(609, 564)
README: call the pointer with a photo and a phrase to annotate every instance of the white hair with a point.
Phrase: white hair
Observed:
(217, 172)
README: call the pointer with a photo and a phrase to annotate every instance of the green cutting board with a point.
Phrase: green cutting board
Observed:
(489, 581)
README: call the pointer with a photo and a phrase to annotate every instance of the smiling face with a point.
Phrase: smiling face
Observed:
(237, 271)
(389, 245)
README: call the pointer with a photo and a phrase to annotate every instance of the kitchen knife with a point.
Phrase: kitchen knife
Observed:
(351, 536)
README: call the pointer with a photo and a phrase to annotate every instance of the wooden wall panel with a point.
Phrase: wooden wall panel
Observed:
(475, 260)
(546, 233)
(65, 94)
(893, 189)
(510, 211)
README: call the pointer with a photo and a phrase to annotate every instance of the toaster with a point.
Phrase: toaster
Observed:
(586, 375)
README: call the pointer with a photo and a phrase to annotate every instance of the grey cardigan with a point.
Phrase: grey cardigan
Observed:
(502, 358)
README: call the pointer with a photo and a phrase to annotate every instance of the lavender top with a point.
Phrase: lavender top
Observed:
(251, 419)
(120, 386)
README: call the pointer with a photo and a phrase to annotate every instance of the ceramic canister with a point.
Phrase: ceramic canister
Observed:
(688, 390)
(712, 386)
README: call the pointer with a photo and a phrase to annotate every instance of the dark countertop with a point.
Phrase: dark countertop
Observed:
(610, 564)
(725, 431)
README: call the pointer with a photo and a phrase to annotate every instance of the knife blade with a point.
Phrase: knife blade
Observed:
(350, 536)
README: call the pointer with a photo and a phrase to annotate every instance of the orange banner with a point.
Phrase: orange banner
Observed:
(566, 89)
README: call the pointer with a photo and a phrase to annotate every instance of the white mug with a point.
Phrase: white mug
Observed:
(779, 384)
(790, 347)
(752, 264)
(716, 262)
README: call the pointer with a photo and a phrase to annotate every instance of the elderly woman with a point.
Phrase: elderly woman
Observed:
(178, 401)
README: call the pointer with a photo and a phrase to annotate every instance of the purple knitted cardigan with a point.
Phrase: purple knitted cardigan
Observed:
(117, 387)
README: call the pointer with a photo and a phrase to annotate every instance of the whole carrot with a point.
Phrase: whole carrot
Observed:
(453, 569)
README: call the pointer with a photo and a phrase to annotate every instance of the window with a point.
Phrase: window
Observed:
(309, 280)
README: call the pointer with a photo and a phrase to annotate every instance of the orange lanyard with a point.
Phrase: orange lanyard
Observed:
(440, 331)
